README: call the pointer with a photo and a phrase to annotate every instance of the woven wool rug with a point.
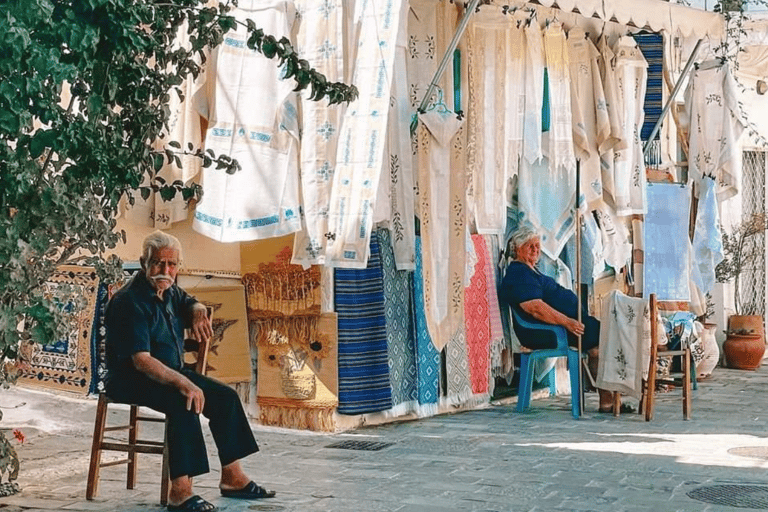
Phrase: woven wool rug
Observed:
(65, 364)
(457, 366)
(364, 384)
(427, 356)
(401, 344)
(477, 320)
(497, 343)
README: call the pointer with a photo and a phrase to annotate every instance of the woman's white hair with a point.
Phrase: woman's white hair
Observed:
(519, 238)
(155, 241)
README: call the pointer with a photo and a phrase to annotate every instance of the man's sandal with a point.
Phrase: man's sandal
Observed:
(194, 504)
(252, 491)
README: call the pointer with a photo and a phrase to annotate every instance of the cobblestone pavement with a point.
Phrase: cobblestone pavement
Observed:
(489, 459)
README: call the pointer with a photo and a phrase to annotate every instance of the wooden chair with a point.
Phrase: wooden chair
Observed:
(649, 388)
(134, 445)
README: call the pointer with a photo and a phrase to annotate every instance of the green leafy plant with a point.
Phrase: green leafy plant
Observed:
(84, 87)
(741, 253)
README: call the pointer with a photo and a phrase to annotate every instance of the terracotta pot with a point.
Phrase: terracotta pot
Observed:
(747, 324)
(744, 351)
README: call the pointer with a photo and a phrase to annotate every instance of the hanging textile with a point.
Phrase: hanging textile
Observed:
(262, 199)
(400, 333)
(362, 137)
(707, 238)
(713, 118)
(629, 167)
(515, 82)
(652, 48)
(443, 230)
(457, 368)
(592, 262)
(614, 235)
(427, 357)
(395, 198)
(497, 343)
(477, 320)
(487, 160)
(560, 135)
(320, 40)
(613, 142)
(364, 383)
(625, 342)
(184, 128)
(534, 93)
(547, 199)
(666, 244)
(591, 125)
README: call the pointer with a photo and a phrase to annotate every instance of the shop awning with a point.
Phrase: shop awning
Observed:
(654, 15)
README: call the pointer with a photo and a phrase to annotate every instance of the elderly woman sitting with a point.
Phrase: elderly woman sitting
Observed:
(538, 298)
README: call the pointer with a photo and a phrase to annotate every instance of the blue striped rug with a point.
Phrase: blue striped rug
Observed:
(652, 47)
(363, 358)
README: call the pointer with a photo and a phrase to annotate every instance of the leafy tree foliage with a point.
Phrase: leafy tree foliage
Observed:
(83, 92)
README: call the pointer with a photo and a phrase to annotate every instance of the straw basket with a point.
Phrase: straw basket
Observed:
(298, 384)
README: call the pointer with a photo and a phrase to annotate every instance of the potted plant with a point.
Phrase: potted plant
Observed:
(745, 342)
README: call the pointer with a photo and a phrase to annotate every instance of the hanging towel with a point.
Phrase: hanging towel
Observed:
(487, 160)
(441, 212)
(515, 82)
(401, 345)
(320, 40)
(427, 356)
(625, 342)
(395, 199)
(591, 125)
(560, 136)
(629, 167)
(713, 118)
(614, 234)
(613, 141)
(497, 344)
(666, 259)
(363, 133)
(364, 382)
(707, 239)
(184, 128)
(534, 93)
(261, 200)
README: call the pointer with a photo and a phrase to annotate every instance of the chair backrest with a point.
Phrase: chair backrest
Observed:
(558, 330)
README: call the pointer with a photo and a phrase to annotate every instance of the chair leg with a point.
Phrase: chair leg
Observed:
(165, 483)
(526, 382)
(576, 397)
(616, 404)
(92, 487)
(687, 384)
(133, 435)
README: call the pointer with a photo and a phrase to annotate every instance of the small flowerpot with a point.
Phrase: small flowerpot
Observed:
(744, 351)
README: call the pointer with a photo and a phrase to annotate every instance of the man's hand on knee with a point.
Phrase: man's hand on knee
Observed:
(194, 395)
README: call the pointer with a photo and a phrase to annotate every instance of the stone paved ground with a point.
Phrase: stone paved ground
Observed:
(491, 459)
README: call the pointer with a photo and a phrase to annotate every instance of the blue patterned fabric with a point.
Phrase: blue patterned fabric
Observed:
(98, 337)
(401, 344)
(363, 359)
(427, 357)
(652, 47)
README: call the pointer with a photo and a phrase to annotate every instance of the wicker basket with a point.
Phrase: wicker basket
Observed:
(299, 385)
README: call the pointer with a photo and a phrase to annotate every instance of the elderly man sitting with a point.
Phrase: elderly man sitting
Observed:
(538, 298)
(145, 323)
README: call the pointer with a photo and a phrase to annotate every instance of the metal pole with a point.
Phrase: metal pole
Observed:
(671, 98)
(578, 282)
(446, 59)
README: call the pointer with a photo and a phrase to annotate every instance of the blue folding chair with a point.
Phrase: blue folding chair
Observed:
(527, 359)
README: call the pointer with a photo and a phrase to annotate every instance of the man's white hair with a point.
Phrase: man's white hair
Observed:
(155, 241)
